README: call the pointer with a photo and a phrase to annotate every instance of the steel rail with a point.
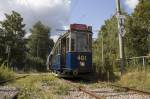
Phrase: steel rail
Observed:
(84, 90)
(5, 81)
(128, 88)
(132, 89)
(91, 93)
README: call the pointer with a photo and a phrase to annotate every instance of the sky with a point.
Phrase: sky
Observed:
(58, 14)
(95, 12)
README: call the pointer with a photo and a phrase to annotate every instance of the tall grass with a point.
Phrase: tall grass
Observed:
(42, 86)
(136, 79)
(6, 73)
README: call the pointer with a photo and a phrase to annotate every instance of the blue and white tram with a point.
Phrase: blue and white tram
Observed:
(72, 53)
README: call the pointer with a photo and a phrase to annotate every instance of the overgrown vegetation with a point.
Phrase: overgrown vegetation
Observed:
(137, 41)
(24, 53)
(41, 86)
(136, 79)
(34, 64)
(6, 73)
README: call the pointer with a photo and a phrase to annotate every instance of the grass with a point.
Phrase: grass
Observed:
(6, 73)
(47, 86)
(41, 86)
(136, 79)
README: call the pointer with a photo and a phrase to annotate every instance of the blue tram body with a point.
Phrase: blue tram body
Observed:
(74, 61)
(72, 54)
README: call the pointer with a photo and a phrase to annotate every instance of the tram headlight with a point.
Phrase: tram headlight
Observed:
(82, 64)
(75, 72)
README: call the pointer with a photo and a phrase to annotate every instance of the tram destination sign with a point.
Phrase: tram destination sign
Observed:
(81, 27)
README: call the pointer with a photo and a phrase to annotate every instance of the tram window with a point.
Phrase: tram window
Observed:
(67, 44)
(58, 49)
(90, 42)
(82, 42)
(72, 44)
(53, 59)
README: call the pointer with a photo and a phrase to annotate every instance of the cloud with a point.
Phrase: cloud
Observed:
(131, 3)
(54, 13)
(55, 37)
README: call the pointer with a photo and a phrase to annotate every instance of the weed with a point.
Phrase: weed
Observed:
(136, 79)
(41, 87)
(6, 73)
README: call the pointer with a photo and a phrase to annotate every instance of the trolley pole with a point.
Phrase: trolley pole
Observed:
(121, 34)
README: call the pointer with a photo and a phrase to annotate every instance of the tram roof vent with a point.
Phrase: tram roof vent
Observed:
(90, 28)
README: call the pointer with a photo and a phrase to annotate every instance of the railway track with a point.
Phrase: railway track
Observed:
(108, 92)
(9, 80)
(7, 92)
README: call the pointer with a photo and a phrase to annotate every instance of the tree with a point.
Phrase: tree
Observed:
(137, 38)
(39, 42)
(2, 46)
(14, 33)
(108, 41)
(138, 27)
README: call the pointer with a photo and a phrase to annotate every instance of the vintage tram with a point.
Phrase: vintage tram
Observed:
(72, 53)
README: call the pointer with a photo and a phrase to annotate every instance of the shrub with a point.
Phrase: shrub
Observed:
(35, 64)
(6, 73)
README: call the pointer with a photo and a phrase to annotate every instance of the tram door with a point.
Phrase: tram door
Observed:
(63, 52)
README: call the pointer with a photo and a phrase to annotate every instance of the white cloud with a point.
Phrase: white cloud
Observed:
(54, 13)
(131, 3)
(55, 38)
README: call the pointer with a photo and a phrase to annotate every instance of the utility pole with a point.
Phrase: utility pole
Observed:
(121, 35)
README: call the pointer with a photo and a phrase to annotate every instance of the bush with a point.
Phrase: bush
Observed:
(6, 73)
(105, 72)
(42, 86)
(35, 64)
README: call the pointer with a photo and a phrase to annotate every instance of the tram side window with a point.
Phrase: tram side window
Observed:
(72, 44)
(59, 48)
(53, 59)
(67, 44)
(90, 42)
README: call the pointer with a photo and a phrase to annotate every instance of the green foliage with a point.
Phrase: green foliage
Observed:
(41, 86)
(2, 45)
(12, 36)
(137, 40)
(106, 41)
(136, 79)
(6, 73)
(62, 89)
(138, 29)
(39, 45)
(34, 64)
(39, 42)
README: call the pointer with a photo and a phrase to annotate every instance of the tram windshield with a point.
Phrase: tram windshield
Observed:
(81, 41)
